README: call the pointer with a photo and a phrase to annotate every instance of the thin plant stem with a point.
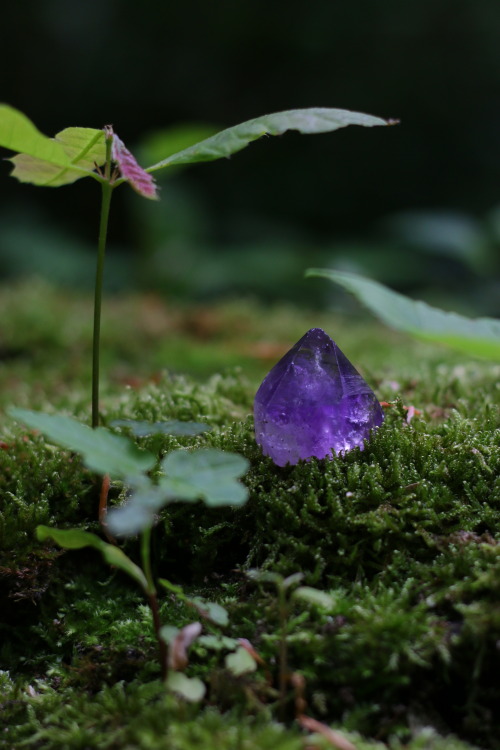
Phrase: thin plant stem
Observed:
(103, 499)
(283, 651)
(107, 189)
(162, 646)
(153, 600)
(146, 559)
(103, 508)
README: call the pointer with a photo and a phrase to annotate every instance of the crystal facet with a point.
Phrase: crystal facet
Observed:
(314, 403)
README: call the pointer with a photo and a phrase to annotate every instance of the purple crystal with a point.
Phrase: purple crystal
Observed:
(314, 403)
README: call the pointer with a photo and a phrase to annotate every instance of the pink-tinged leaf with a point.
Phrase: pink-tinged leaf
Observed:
(177, 654)
(140, 180)
(245, 643)
(336, 739)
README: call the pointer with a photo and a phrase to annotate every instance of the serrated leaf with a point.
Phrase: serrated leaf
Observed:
(18, 133)
(231, 140)
(476, 337)
(77, 539)
(42, 173)
(240, 662)
(101, 450)
(136, 176)
(314, 596)
(85, 148)
(190, 688)
(171, 427)
(207, 474)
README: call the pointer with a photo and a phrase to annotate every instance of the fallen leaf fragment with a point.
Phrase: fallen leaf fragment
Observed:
(411, 411)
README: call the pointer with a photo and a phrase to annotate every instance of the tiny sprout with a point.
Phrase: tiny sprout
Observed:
(79, 152)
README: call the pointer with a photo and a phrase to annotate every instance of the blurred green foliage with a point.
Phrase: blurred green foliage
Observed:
(254, 222)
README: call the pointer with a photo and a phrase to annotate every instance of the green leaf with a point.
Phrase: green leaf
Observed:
(69, 539)
(85, 148)
(158, 144)
(207, 474)
(18, 133)
(174, 588)
(114, 556)
(476, 337)
(292, 580)
(169, 633)
(138, 512)
(102, 451)
(240, 662)
(211, 610)
(231, 140)
(218, 642)
(265, 576)
(314, 596)
(191, 689)
(76, 539)
(172, 427)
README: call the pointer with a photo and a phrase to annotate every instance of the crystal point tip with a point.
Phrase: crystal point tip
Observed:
(314, 403)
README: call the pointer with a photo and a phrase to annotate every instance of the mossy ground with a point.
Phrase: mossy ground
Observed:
(403, 535)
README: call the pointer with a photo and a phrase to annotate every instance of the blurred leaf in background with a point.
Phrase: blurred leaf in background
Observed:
(322, 203)
(479, 337)
(40, 248)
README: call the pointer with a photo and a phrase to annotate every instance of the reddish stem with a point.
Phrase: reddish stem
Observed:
(153, 603)
(103, 508)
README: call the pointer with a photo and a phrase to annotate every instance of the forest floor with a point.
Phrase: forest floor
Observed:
(402, 537)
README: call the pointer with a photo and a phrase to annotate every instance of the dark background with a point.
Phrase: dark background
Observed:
(413, 205)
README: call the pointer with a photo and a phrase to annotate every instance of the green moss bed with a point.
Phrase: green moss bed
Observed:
(404, 536)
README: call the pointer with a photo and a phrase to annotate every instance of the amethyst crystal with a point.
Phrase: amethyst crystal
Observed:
(314, 403)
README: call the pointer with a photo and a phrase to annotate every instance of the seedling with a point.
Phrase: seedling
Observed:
(75, 153)
(210, 475)
(288, 591)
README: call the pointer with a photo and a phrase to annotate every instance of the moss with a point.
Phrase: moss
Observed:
(404, 535)
(134, 715)
(137, 715)
(342, 519)
(347, 516)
